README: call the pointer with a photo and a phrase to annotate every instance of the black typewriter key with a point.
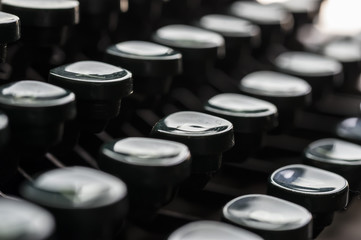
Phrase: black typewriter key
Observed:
(22, 220)
(86, 203)
(349, 129)
(303, 11)
(270, 217)
(202, 230)
(322, 73)
(99, 88)
(152, 65)
(162, 165)
(251, 118)
(43, 22)
(348, 53)
(319, 191)
(37, 112)
(45, 28)
(311, 38)
(205, 135)
(10, 32)
(273, 20)
(240, 36)
(338, 156)
(288, 93)
(200, 49)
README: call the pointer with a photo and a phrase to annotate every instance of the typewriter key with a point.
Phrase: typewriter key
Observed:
(338, 156)
(99, 88)
(86, 203)
(43, 22)
(10, 32)
(250, 117)
(205, 135)
(270, 217)
(152, 169)
(288, 93)
(319, 191)
(152, 64)
(303, 11)
(350, 130)
(322, 73)
(240, 36)
(273, 20)
(200, 48)
(24, 221)
(348, 52)
(205, 230)
(37, 112)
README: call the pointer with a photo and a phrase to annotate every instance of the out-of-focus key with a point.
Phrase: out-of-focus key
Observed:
(270, 217)
(86, 203)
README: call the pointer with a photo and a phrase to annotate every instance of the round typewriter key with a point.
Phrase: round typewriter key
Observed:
(202, 230)
(321, 192)
(270, 217)
(36, 111)
(86, 203)
(187, 38)
(152, 64)
(273, 20)
(348, 52)
(288, 93)
(250, 117)
(25, 221)
(10, 31)
(162, 164)
(303, 11)
(341, 157)
(200, 48)
(99, 88)
(43, 21)
(322, 73)
(350, 129)
(240, 35)
(205, 135)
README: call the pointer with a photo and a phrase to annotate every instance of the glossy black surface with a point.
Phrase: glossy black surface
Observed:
(202, 133)
(145, 58)
(75, 188)
(9, 27)
(313, 188)
(43, 13)
(188, 37)
(246, 113)
(229, 26)
(304, 64)
(93, 80)
(24, 221)
(206, 230)
(261, 14)
(270, 217)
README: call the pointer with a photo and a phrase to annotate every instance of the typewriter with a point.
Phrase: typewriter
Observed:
(179, 119)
